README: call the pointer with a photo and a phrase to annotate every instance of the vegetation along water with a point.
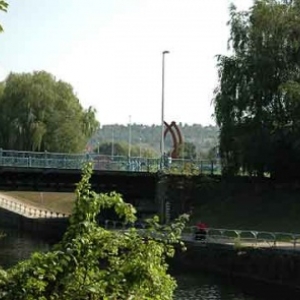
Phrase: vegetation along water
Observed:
(17, 246)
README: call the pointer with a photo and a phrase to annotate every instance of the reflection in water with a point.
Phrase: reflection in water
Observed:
(16, 246)
(206, 287)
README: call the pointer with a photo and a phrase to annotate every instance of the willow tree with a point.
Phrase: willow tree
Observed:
(3, 7)
(257, 98)
(40, 113)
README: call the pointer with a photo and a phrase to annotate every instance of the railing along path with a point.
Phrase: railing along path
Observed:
(28, 211)
(233, 237)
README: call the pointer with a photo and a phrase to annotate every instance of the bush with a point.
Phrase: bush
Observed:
(93, 263)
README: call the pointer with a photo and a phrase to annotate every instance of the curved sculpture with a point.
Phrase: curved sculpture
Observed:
(176, 137)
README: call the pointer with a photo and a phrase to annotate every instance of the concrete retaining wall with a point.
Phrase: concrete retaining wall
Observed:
(47, 228)
(267, 266)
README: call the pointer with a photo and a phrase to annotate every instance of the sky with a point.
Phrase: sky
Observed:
(111, 53)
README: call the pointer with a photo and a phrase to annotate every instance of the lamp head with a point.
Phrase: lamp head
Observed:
(166, 52)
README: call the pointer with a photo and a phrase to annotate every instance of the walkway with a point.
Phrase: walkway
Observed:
(227, 237)
(238, 239)
(279, 245)
(29, 211)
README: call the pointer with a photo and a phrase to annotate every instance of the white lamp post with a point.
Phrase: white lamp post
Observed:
(112, 141)
(162, 142)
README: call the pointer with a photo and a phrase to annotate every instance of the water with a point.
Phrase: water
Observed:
(208, 287)
(16, 246)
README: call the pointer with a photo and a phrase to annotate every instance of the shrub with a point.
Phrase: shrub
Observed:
(93, 263)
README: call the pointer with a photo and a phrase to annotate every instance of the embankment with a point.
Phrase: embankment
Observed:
(235, 203)
(50, 228)
(268, 267)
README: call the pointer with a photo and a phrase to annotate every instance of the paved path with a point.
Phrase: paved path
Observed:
(26, 210)
(286, 246)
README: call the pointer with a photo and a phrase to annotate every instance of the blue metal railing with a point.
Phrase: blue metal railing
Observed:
(51, 160)
(234, 237)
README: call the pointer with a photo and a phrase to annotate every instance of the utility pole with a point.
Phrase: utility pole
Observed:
(129, 138)
(162, 142)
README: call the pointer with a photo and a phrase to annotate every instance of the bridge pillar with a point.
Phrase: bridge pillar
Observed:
(161, 198)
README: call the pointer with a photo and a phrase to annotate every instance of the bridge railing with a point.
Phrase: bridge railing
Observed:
(235, 237)
(28, 159)
(29, 211)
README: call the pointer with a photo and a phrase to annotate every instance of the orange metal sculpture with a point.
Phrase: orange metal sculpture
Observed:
(176, 137)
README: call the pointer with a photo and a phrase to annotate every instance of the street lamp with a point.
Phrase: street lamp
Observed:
(162, 142)
(141, 128)
(112, 141)
(140, 146)
(129, 138)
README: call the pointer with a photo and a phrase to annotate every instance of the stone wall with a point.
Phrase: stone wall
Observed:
(47, 228)
(268, 266)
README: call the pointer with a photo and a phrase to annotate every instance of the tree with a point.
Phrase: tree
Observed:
(257, 100)
(187, 151)
(93, 263)
(3, 7)
(40, 113)
(121, 149)
(118, 149)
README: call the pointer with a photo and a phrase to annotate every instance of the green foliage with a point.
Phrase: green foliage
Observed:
(185, 168)
(187, 151)
(257, 101)
(3, 7)
(121, 149)
(93, 263)
(40, 113)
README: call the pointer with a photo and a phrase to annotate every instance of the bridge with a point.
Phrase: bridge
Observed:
(141, 181)
(51, 160)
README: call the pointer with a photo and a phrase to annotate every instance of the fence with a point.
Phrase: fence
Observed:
(234, 237)
(254, 238)
(29, 211)
(27, 159)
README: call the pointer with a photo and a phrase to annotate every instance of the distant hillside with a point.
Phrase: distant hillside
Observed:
(203, 137)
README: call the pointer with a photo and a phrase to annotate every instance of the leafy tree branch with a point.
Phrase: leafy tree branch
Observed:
(94, 263)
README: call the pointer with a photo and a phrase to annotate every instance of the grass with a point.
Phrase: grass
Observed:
(247, 208)
(58, 202)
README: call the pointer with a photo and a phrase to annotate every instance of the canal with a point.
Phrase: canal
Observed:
(16, 246)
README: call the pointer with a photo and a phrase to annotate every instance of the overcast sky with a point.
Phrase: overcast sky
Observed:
(111, 52)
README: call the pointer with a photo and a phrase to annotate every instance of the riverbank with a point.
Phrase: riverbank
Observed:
(17, 246)
(268, 268)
